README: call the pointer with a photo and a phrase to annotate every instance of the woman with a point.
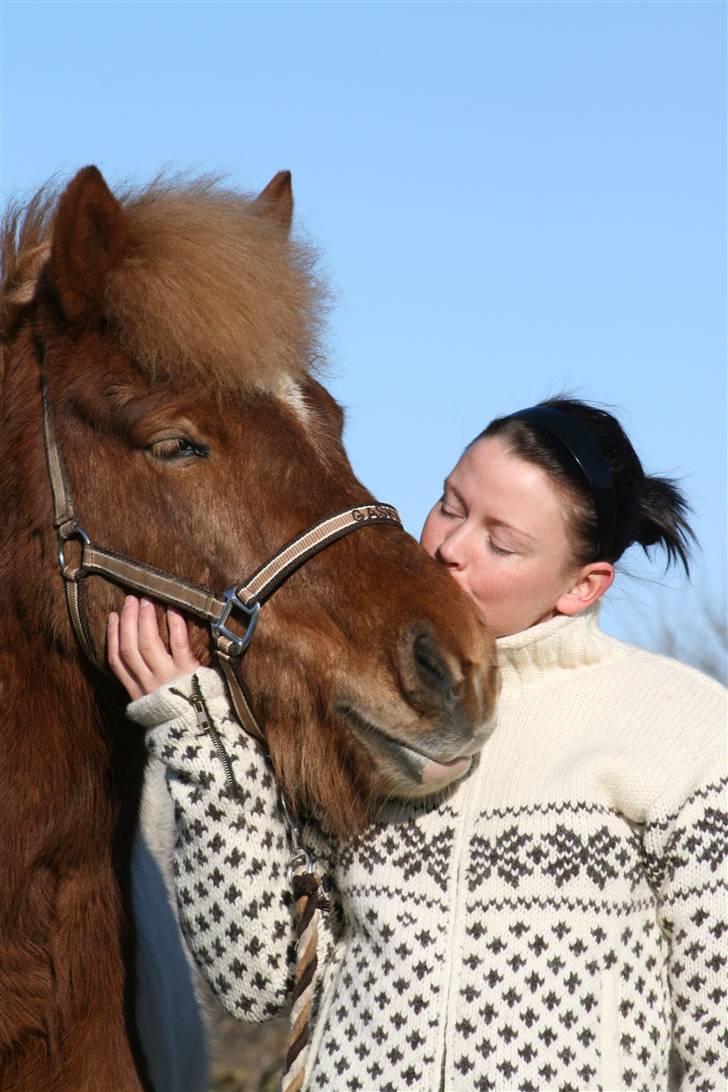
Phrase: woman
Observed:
(557, 920)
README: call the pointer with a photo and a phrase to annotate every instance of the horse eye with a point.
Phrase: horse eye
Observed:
(177, 447)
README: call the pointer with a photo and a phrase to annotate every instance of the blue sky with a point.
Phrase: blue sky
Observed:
(511, 199)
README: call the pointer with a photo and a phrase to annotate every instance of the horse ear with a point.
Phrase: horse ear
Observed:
(89, 240)
(277, 199)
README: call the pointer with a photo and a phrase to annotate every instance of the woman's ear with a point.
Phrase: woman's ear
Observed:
(590, 584)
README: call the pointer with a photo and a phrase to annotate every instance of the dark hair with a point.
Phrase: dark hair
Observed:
(649, 510)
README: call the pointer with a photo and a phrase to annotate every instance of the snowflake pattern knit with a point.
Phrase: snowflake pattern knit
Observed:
(558, 922)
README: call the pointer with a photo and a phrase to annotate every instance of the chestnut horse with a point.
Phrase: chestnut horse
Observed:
(175, 329)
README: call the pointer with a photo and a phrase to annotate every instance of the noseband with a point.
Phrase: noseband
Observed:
(243, 600)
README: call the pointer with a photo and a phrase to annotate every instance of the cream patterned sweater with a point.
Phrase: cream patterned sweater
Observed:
(558, 922)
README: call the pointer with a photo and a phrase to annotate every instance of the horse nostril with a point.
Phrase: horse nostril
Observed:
(432, 670)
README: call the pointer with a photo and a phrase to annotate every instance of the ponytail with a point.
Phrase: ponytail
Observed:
(663, 512)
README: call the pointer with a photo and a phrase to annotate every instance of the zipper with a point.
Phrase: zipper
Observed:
(456, 914)
(610, 1051)
(207, 727)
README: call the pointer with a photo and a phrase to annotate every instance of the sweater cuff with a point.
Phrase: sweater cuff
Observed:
(163, 705)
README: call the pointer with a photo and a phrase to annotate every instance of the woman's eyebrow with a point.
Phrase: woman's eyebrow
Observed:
(447, 485)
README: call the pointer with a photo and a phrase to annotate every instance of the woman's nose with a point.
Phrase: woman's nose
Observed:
(452, 549)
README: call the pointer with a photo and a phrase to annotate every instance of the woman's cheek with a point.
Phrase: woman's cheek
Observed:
(500, 582)
(485, 588)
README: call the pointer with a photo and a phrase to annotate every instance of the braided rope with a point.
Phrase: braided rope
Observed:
(305, 887)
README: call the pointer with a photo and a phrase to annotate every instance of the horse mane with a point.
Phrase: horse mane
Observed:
(211, 290)
(25, 234)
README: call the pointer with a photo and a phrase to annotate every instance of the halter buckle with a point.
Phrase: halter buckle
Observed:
(219, 629)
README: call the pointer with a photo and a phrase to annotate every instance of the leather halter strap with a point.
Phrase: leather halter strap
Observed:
(245, 598)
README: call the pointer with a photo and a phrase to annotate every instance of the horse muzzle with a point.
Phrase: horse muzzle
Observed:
(454, 717)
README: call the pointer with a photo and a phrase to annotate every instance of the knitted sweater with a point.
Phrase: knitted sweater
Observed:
(557, 922)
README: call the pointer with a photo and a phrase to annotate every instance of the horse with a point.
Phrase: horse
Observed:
(174, 331)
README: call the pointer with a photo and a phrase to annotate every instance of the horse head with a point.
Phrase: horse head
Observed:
(178, 329)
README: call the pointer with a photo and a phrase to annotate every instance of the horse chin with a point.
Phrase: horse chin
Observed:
(434, 777)
(403, 770)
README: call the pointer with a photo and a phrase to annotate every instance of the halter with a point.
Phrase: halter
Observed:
(244, 599)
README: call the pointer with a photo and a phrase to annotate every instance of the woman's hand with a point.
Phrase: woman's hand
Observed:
(137, 654)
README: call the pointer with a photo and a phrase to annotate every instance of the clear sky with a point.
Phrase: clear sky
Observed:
(511, 198)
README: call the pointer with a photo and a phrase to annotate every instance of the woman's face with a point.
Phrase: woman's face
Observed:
(501, 529)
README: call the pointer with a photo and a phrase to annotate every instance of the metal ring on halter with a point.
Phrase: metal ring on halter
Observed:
(219, 629)
(299, 860)
(75, 532)
(301, 857)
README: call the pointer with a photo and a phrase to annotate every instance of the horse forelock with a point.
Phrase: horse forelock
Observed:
(211, 290)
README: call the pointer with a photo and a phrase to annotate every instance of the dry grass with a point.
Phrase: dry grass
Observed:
(698, 638)
(245, 1057)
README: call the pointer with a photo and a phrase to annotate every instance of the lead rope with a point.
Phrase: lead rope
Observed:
(309, 900)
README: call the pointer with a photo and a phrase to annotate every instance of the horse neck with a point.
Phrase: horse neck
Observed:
(64, 723)
(69, 800)
(66, 832)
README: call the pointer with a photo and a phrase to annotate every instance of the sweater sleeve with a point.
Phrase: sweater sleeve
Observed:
(686, 858)
(232, 848)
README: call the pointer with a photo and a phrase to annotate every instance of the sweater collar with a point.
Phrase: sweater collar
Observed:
(537, 655)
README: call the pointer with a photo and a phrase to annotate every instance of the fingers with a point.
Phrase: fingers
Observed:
(149, 644)
(179, 642)
(137, 654)
(116, 663)
(130, 650)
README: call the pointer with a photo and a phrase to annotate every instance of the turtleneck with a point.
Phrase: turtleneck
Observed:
(535, 656)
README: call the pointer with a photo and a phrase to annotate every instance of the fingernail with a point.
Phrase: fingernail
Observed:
(113, 616)
(129, 599)
(145, 602)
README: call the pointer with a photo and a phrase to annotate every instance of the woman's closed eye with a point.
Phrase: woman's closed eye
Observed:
(500, 550)
(450, 510)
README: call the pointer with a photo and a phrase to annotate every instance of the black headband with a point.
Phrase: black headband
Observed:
(577, 442)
